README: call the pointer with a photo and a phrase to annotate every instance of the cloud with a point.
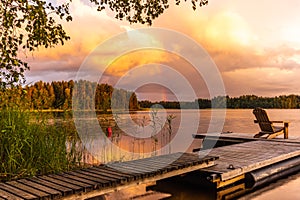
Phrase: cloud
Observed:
(262, 81)
(87, 30)
(138, 58)
(256, 51)
(234, 43)
(228, 30)
(282, 57)
(160, 68)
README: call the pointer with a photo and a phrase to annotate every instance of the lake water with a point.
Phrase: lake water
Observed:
(141, 137)
(241, 121)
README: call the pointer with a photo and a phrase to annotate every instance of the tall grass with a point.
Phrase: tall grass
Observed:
(30, 146)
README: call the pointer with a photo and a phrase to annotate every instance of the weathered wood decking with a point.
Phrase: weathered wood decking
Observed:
(94, 181)
(238, 159)
(243, 157)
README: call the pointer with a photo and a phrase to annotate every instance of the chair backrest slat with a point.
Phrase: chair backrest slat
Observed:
(263, 120)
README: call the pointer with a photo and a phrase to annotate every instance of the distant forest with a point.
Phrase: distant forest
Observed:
(58, 95)
(245, 101)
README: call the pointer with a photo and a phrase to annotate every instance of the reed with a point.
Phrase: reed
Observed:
(170, 130)
(30, 145)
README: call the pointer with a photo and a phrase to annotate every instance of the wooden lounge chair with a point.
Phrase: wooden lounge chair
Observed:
(267, 127)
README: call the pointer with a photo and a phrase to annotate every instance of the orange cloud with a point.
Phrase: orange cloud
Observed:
(125, 63)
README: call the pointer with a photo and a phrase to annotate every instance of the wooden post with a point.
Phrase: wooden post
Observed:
(286, 130)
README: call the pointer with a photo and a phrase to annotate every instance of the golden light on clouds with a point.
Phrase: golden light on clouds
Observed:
(291, 33)
(125, 63)
(244, 38)
(227, 30)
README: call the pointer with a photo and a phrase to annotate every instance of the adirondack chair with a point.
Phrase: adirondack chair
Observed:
(267, 127)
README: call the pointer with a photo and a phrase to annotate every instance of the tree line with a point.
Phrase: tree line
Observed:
(89, 95)
(59, 95)
(244, 101)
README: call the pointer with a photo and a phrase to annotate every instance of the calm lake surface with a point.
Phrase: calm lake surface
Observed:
(188, 122)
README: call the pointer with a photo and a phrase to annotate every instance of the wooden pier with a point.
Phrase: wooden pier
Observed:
(236, 165)
(103, 179)
(246, 155)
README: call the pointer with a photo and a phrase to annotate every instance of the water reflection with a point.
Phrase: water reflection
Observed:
(185, 191)
(237, 121)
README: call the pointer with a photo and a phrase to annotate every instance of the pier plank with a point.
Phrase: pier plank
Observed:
(87, 181)
(130, 169)
(55, 194)
(62, 189)
(8, 196)
(102, 173)
(42, 195)
(86, 187)
(17, 192)
(100, 182)
(74, 187)
(129, 176)
(102, 177)
(143, 167)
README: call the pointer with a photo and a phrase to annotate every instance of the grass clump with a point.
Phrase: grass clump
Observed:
(30, 145)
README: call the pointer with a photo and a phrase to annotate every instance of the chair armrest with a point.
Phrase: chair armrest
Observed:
(277, 121)
(283, 122)
(286, 124)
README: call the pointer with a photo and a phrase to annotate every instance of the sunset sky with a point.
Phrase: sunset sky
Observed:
(254, 44)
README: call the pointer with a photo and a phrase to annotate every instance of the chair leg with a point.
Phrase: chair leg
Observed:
(259, 135)
(273, 135)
